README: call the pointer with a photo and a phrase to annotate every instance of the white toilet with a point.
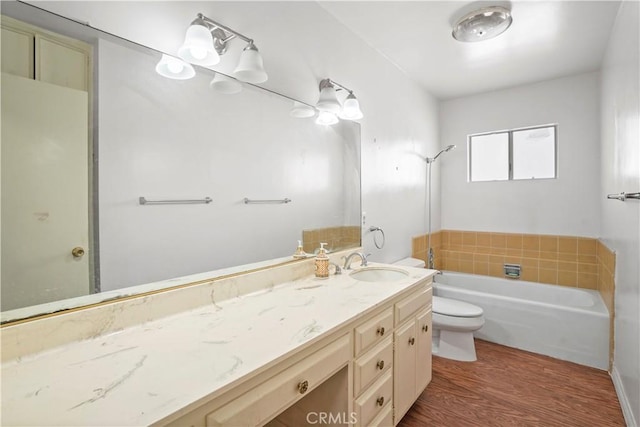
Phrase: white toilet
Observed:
(454, 322)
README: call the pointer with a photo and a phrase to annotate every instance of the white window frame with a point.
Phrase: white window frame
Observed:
(509, 133)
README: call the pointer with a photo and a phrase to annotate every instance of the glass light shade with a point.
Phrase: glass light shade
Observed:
(326, 118)
(302, 111)
(351, 108)
(174, 68)
(198, 46)
(225, 84)
(328, 100)
(483, 24)
(250, 68)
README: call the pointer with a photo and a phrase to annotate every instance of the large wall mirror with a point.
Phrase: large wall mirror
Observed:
(81, 148)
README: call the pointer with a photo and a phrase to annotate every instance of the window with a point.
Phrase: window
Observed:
(513, 155)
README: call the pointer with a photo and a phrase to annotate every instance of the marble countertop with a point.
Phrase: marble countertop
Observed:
(143, 374)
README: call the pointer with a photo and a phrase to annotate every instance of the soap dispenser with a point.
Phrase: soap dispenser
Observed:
(322, 263)
(299, 253)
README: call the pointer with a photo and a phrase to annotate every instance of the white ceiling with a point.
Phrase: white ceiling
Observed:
(547, 39)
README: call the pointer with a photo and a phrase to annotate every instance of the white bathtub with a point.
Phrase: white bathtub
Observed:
(567, 323)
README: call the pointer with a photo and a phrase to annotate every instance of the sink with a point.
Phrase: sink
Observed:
(379, 274)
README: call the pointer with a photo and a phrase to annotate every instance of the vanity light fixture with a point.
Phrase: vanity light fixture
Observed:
(482, 24)
(174, 68)
(329, 107)
(206, 40)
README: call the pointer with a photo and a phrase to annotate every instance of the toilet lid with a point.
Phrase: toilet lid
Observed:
(455, 308)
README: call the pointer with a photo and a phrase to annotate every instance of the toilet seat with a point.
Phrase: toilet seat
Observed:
(455, 308)
(457, 324)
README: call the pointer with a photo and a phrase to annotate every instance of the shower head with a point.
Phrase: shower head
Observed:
(444, 150)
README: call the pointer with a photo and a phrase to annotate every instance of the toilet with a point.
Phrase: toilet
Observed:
(454, 322)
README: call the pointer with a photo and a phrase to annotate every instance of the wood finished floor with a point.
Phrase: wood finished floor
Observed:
(510, 387)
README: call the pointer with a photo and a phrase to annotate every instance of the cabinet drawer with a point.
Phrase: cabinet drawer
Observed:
(372, 401)
(412, 303)
(372, 364)
(279, 392)
(384, 418)
(373, 331)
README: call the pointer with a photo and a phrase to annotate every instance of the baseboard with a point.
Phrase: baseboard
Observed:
(622, 397)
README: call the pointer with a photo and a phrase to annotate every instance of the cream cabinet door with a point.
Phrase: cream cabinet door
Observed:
(44, 192)
(423, 355)
(404, 362)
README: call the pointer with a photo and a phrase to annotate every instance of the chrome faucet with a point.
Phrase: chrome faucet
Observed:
(338, 269)
(347, 260)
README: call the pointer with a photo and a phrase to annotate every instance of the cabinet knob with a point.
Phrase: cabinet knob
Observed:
(380, 364)
(412, 340)
(303, 386)
(425, 328)
(380, 331)
(380, 401)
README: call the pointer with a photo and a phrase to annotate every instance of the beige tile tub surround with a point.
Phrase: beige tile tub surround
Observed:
(606, 286)
(557, 260)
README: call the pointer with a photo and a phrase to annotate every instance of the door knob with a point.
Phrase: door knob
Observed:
(77, 252)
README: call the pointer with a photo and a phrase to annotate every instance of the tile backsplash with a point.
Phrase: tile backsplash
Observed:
(336, 238)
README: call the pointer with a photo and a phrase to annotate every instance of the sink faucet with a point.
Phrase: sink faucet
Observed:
(347, 260)
(338, 269)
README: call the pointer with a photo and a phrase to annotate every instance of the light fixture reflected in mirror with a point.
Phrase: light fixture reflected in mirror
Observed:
(207, 39)
(225, 84)
(326, 118)
(302, 111)
(174, 68)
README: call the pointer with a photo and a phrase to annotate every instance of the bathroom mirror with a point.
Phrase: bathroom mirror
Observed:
(247, 179)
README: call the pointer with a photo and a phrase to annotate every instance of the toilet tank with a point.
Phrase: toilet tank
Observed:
(410, 262)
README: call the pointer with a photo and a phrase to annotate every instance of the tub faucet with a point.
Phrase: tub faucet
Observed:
(348, 259)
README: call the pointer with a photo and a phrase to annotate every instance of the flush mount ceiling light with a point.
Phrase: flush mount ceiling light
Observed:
(206, 40)
(482, 24)
(330, 108)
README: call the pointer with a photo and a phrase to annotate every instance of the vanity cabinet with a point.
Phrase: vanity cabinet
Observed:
(367, 374)
(412, 352)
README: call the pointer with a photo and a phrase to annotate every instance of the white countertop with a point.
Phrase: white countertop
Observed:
(145, 373)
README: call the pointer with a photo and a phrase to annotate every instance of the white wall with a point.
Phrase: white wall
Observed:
(620, 162)
(568, 205)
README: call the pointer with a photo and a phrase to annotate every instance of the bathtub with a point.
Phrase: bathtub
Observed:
(566, 323)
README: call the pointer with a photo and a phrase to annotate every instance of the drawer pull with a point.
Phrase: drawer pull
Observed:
(425, 328)
(380, 331)
(380, 401)
(412, 341)
(303, 386)
(380, 364)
